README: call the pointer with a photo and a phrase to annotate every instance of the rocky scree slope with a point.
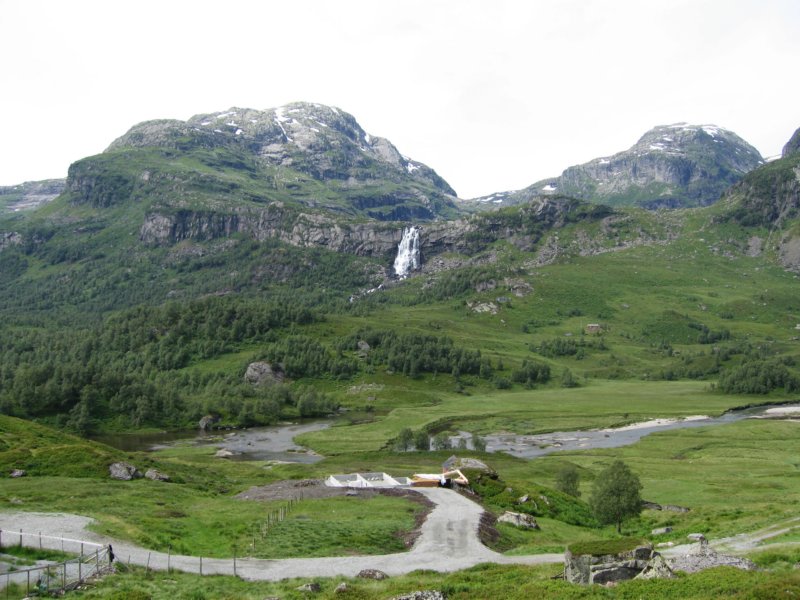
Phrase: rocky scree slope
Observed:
(29, 195)
(670, 166)
(306, 155)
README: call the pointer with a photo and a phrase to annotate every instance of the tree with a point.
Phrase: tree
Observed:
(568, 379)
(615, 495)
(441, 441)
(404, 440)
(567, 480)
(422, 440)
(478, 443)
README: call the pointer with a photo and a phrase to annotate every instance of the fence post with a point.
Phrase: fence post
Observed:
(20, 538)
(81, 548)
(64, 576)
(147, 568)
(234, 561)
(40, 540)
(201, 565)
(169, 557)
(28, 586)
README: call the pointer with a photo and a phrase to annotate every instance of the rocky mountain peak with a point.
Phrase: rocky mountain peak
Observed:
(684, 139)
(672, 166)
(324, 141)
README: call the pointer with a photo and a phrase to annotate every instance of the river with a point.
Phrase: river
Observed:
(275, 442)
(533, 446)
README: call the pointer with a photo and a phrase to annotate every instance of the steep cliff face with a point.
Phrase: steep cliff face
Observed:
(276, 221)
(792, 146)
(670, 166)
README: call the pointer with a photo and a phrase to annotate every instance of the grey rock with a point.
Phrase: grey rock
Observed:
(207, 421)
(372, 574)
(313, 587)
(223, 453)
(156, 475)
(519, 520)
(696, 537)
(342, 588)
(421, 595)
(18, 473)
(9, 239)
(264, 373)
(609, 568)
(661, 531)
(123, 471)
(657, 568)
(457, 462)
(703, 557)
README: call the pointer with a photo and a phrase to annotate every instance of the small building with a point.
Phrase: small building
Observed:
(594, 328)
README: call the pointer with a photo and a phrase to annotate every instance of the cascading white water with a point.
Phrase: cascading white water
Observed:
(407, 252)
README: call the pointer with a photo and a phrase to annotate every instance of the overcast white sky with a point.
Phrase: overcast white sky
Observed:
(493, 94)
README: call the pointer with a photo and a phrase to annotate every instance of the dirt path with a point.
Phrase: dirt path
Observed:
(744, 542)
(448, 541)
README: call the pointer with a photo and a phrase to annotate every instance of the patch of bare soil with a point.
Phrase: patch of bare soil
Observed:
(304, 489)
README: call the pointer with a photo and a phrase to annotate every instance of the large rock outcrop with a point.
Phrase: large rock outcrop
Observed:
(605, 568)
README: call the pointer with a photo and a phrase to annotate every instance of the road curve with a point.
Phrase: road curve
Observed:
(448, 541)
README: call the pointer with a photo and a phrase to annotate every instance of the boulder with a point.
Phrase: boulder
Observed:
(519, 520)
(657, 568)
(696, 537)
(606, 568)
(223, 453)
(372, 574)
(207, 421)
(123, 471)
(156, 475)
(342, 588)
(421, 595)
(456, 462)
(661, 531)
(313, 587)
(264, 373)
(18, 473)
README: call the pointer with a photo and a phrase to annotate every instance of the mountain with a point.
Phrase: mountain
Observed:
(29, 195)
(767, 203)
(305, 156)
(792, 146)
(670, 166)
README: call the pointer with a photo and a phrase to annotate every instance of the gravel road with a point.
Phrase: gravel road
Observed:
(448, 541)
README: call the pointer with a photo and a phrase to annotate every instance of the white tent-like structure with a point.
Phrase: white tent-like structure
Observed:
(366, 480)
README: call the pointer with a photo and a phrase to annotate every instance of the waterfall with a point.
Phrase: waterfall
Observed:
(407, 252)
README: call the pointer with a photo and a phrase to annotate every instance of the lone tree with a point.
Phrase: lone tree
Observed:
(615, 495)
(404, 440)
(567, 480)
(422, 440)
